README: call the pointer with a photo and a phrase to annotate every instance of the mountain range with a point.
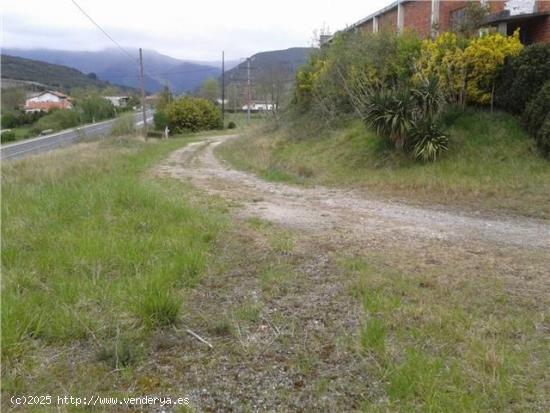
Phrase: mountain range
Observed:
(118, 68)
(182, 76)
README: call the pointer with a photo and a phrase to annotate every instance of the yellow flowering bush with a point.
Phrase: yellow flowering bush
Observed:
(466, 69)
(443, 58)
(484, 56)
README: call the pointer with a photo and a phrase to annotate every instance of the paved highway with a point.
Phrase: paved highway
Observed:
(59, 139)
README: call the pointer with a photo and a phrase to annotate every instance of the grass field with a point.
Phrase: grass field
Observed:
(491, 164)
(105, 265)
(96, 253)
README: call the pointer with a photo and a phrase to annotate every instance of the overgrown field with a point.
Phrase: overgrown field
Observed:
(96, 254)
(491, 164)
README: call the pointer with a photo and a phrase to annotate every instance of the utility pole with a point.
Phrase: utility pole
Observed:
(223, 88)
(249, 92)
(143, 94)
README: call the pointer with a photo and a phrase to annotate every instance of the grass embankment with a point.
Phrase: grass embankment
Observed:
(491, 164)
(96, 253)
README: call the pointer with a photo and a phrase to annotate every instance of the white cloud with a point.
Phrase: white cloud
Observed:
(183, 29)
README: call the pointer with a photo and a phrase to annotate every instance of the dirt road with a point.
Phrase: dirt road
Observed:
(285, 314)
(322, 209)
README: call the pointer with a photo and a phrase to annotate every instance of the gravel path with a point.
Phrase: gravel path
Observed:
(324, 209)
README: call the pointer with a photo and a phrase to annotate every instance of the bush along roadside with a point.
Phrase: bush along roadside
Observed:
(188, 114)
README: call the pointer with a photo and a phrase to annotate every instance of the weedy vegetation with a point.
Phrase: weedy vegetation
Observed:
(96, 255)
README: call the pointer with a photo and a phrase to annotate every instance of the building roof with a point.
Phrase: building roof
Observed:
(376, 13)
(53, 92)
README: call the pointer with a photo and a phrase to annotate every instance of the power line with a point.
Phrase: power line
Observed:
(105, 33)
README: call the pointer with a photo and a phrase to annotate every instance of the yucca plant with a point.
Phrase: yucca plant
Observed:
(427, 140)
(429, 97)
(391, 113)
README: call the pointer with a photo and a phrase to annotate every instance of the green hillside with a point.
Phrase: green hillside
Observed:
(51, 75)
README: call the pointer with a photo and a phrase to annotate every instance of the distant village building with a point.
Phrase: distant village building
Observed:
(259, 107)
(428, 18)
(46, 101)
(118, 101)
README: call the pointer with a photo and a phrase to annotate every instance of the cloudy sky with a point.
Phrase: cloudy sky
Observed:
(197, 30)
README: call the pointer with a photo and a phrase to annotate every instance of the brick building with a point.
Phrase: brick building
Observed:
(429, 17)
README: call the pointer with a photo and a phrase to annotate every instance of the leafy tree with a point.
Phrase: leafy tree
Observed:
(210, 90)
(94, 108)
(233, 99)
(165, 98)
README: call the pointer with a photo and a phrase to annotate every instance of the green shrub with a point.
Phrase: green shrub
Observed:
(19, 118)
(8, 136)
(9, 120)
(231, 125)
(160, 119)
(522, 76)
(543, 137)
(193, 114)
(536, 110)
(57, 119)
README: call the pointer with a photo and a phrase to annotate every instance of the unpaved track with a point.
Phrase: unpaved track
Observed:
(321, 209)
(306, 336)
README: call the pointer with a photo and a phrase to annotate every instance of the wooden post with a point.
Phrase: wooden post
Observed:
(142, 94)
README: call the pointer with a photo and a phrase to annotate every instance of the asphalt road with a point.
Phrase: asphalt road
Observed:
(59, 139)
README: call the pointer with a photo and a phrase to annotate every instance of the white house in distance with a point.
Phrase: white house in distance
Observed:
(46, 101)
(260, 107)
(118, 101)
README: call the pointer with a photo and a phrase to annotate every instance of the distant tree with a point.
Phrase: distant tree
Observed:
(94, 108)
(92, 75)
(233, 98)
(273, 86)
(165, 98)
(210, 90)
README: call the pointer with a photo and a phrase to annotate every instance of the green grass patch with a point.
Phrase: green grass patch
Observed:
(441, 345)
(96, 250)
(491, 164)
